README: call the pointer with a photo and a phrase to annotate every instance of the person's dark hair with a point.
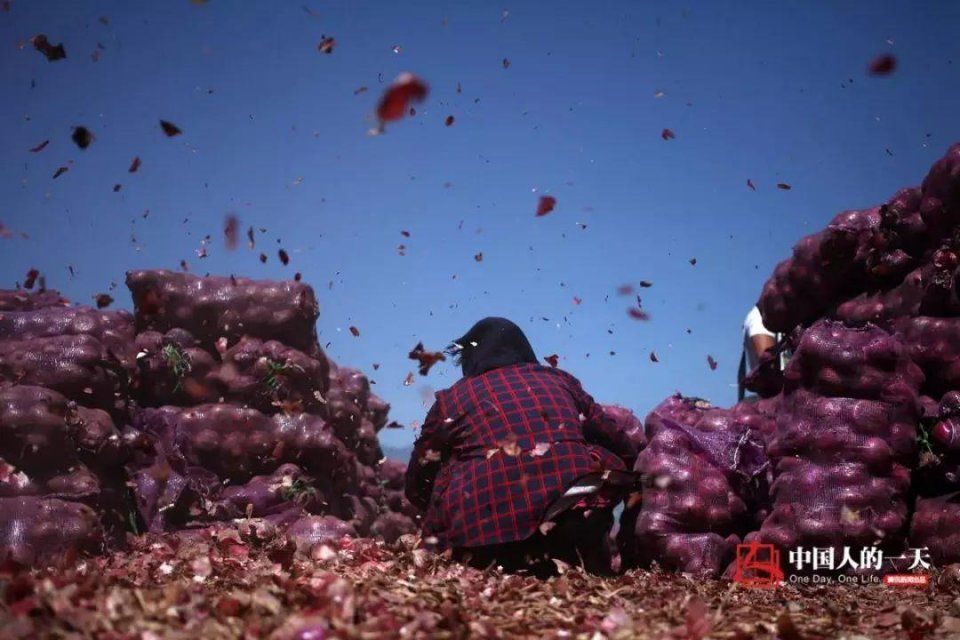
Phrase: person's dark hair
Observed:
(490, 344)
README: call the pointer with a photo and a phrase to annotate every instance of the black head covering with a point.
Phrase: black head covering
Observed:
(490, 344)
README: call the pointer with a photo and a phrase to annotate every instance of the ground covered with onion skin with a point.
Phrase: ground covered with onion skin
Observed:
(248, 581)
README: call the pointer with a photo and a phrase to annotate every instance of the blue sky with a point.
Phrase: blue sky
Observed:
(274, 133)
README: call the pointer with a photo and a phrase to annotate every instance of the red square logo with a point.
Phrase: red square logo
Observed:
(758, 565)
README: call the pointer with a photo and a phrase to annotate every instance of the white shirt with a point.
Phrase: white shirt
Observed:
(753, 326)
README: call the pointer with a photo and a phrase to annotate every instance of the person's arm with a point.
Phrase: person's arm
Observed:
(761, 343)
(429, 452)
(759, 338)
(600, 430)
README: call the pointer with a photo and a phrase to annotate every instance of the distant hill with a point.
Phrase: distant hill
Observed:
(398, 453)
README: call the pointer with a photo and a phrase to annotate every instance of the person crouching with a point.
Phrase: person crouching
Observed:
(516, 465)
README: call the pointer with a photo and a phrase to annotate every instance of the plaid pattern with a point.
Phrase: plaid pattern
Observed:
(497, 449)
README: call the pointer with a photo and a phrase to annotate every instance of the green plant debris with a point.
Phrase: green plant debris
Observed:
(300, 490)
(179, 363)
(923, 439)
(275, 372)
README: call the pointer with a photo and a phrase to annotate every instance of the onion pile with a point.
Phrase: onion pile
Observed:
(703, 471)
(864, 423)
(226, 405)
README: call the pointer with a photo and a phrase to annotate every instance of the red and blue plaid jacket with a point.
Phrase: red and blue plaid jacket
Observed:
(497, 449)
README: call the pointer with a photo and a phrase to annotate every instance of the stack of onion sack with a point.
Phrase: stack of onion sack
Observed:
(845, 441)
(628, 423)
(896, 260)
(936, 518)
(703, 474)
(64, 373)
(83, 353)
(23, 300)
(899, 269)
(401, 516)
(248, 416)
(934, 344)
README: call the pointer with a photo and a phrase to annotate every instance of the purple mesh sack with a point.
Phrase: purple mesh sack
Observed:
(901, 219)
(942, 279)
(367, 446)
(846, 426)
(837, 503)
(270, 376)
(677, 408)
(202, 450)
(310, 531)
(870, 250)
(78, 483)
(780, 303)
(36, 531)
(949, 405)
(866, 362)
(724, 442)
(22, 300)
(940, 205)
(839, 473)
(98, 442)
(700, 554)
(42, 433)
(946, 434)
(287, 487)
(628, 423)
(347, 400)
(392, 474)
(237, 443)
(53, 448)
(75, 366)
(114, 329)
(933, 344)
(171, 498)
(936, 525)
(896, 243)
(362, 513)
(927, 290)
(214, 307)
(174, 370)
(352, 383)
(697, 480)
(686, 494)
(377, 411)
(881, 307)
(105, 496)
(759, 415)
(828, 429)
(824, 268)
(937, 471)
(34, 435)
(733, 438)
(390, 526)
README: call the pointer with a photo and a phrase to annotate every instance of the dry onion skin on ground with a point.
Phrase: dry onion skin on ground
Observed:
(247, 580)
